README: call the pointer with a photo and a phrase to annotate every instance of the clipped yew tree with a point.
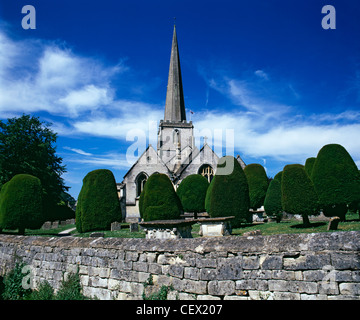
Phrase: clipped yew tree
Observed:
(298, 194)
(158, 200)
(192, 193)
(272, 202)
(21, 203)
(228, 194)
(98, 203)
(309, 164)
(336, 179)
(258, 184)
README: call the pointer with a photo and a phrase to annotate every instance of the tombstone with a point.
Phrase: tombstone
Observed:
(97, 235)
(215, 227)
(167, 229)
(55, 224)
(134, 227)
(46, 225)
(333, 223)
(115, 226)
(252, 233)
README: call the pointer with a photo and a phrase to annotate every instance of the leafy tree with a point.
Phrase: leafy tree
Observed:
(309, 165)
(258, 184)
(298, 193)
(21, 203)
(27, 145)
(272, 202)
(98, 202)
(158, 200)
(336, 180)
(192, 192)
(228, 194)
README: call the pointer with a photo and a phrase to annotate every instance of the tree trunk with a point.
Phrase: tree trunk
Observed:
(306, 221)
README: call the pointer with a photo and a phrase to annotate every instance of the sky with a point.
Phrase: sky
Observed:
(263, 76)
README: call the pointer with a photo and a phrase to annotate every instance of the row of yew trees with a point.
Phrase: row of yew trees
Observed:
(329, 183)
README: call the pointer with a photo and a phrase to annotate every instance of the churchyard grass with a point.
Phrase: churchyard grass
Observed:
(285, 226)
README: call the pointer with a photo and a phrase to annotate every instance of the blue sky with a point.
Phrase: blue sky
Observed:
(97, 70)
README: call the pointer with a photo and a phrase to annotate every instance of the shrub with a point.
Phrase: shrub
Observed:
(192, 193)
(258, 184)
(44, 292)
(272, 202)
(70, 289)
(278, 176)
(336, 180)
(21, 203)
(229, 193)
(309, 165)
(13, 286)
(298, 193)
(98, 202)
(159, 200)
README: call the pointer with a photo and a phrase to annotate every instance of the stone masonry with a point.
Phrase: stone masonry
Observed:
(289, 266)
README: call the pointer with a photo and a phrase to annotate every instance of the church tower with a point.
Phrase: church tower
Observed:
(175, 135)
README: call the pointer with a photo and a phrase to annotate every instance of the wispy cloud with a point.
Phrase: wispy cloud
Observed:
(274, 127)
(78, 151)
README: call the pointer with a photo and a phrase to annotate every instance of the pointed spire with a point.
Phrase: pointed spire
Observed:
(175, 105)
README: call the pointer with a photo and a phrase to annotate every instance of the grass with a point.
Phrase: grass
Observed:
(286, 226)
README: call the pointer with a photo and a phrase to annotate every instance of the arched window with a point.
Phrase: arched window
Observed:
(207, 172)
(140, 183)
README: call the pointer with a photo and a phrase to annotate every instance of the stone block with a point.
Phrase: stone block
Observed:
(278, 285)
(349, 288)
(176, 271)
(221, 288)
(342, 261)
(271, 262)
(286, 296)
(207, 297)
(191, 273)
(251, 262)
(208, 274)
(192, 286)
(307, 262)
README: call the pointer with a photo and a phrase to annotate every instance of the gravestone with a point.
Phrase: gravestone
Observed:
(97, 235)
(333, 223)
(168, 229)
(215, 227)
(55, 224)
(115, 226)
(46, 225)
(134, 227)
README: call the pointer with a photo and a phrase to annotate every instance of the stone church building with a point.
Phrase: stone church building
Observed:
(176, 154)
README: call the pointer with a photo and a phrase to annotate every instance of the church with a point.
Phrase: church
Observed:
(176, 154)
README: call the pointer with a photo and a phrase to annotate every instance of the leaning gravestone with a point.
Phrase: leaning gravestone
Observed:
(333, 223)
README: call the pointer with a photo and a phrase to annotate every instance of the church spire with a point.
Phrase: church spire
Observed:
(174, 106)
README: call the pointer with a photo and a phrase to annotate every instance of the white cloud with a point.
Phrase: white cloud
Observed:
(87, 98)
(262, 74)
(57, 80)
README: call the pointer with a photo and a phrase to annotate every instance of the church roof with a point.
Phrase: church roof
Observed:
(175, 105)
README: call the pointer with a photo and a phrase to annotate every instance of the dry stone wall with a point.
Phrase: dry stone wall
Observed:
(288, 266)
